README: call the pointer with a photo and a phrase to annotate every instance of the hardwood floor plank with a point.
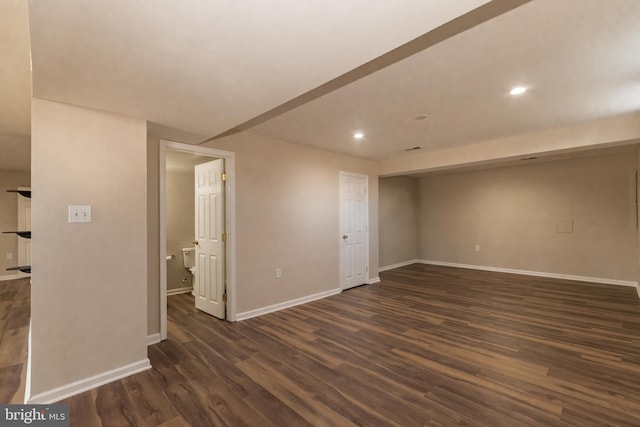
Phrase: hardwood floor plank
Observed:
(428, 346)
(14, 335)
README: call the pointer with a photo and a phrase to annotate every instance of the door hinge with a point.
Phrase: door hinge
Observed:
(224, 237)
(224, 177)
(224, 296)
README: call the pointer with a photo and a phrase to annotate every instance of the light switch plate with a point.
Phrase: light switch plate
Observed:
(79, 214)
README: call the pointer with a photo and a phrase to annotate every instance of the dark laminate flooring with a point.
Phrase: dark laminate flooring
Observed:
(429, 346)
(14, 338)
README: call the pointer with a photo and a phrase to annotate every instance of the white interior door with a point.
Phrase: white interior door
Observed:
(354, 229)
(24, 224)
(209, 280)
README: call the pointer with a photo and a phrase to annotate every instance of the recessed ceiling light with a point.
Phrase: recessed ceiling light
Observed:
(518, 90)
(358, 135)
(420, 117)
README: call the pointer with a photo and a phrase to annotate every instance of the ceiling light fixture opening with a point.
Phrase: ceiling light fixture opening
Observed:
(518, 90)
(358, 135)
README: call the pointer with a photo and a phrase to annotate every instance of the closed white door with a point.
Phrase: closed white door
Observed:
(354, 229)
(209, 280)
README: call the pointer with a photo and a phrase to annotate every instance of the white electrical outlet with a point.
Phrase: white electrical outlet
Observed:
(278, 273)
(477, 248)
(79, 214)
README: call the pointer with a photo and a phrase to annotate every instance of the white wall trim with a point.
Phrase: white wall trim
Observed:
(78, 387)
(534, 273)
(153, 339)
(287, 304)
(10, 277)
(374, 280)
(398, 265)
(177, 291)
(27, 386)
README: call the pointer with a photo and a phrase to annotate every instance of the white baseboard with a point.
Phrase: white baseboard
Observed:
(535, 273)
(280, 306)
(27, 386)
(374, 280)
(177, 291)
(10, 277)
(398, 265)
(153, 339)
(60, 393)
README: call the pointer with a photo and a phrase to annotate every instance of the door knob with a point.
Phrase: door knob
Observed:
(344, 236)
(195, 242)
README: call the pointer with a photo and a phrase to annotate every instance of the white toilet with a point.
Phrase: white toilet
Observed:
(189, 262)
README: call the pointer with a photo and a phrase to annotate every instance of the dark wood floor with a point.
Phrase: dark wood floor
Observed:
(429, 346)
(14, 338)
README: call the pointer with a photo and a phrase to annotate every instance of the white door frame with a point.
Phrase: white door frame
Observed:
(366, 219)
(230, 216)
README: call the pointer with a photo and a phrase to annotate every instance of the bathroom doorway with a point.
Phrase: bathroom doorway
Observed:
(196, 228)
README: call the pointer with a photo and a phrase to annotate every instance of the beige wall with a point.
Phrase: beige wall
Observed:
(619, 130)
(512, 213)
(89, 308)
(180, 225)
(153, 236)
(287, 216)
(638, 210)
(10, 180)
(398, 220)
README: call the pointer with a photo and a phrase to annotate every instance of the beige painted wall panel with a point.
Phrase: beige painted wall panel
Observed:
(616, 131)
(638, 210)
(153, 236)
(287, 216)
(89, 292)
(10, 180)
(513, 214)
(398, 211)
(180, 225)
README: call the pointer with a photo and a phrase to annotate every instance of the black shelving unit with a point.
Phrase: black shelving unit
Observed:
(26, 234)
(23, 193)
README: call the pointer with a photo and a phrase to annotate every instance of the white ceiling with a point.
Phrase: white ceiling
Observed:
(580, 59)
(205, 66)
(209, 66)
(15, 86)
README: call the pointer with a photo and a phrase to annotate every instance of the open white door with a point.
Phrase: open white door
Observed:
(209, 211)
(354, 228)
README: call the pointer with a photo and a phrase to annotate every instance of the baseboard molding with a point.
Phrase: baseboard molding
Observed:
(398, 265)
(535, 273)
(153, 339)
(27, 386)
(280, 306)
(60, 393)
(177, 291)
(10, 277)
(374, 280)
